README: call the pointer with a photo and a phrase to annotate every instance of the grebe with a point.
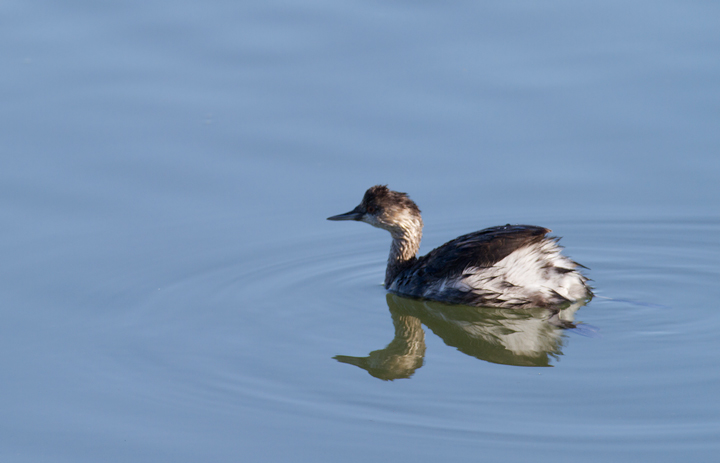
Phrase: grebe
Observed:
(510, 266)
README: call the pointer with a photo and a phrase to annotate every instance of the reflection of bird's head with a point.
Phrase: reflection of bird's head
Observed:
(385, 365)
(401, 357)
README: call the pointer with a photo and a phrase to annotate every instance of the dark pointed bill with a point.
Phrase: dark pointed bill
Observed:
(355, 214)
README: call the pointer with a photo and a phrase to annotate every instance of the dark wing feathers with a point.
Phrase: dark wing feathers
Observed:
(482, 248)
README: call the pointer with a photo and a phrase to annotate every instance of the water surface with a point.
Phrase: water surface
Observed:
(171, 289)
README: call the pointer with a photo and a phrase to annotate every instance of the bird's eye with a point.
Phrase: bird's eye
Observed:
(371, 209)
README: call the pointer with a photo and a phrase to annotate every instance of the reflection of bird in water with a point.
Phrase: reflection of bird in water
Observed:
(511, 337)
(401, 357)
(512, 266)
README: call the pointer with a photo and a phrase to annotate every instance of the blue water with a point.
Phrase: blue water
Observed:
(171, 291)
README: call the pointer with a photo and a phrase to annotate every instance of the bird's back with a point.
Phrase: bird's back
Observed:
(506, 266)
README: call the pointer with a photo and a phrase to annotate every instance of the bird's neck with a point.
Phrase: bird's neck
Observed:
(405, 245)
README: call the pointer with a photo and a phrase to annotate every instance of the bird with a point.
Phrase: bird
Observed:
(507, 266)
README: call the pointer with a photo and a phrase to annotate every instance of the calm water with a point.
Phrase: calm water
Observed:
(171, 290)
